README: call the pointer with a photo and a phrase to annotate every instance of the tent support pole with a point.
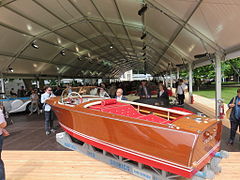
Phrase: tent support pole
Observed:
(218, 94)
(190, 82)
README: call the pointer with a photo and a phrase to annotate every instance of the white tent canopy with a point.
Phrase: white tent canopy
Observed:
(103, 37)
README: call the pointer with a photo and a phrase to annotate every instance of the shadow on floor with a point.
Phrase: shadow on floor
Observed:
(27, 133)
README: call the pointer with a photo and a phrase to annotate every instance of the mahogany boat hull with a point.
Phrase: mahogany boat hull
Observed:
(177, 151)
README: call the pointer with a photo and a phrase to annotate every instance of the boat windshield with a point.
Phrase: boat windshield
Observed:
(77, 95)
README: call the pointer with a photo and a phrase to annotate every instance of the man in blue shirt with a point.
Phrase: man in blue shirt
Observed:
(48, 113)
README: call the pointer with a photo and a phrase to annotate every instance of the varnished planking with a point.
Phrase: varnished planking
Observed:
(70, 165)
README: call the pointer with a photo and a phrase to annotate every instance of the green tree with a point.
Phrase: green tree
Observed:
(232, 68)
(229, 68)
(53, 82)
(203, 73)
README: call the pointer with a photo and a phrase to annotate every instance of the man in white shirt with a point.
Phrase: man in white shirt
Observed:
(181, 88)
(48, 110)
(119, 94)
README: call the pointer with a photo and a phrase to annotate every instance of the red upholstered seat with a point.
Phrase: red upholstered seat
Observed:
(108, 102)
(100, 107)
(126, 110)
(155, 118)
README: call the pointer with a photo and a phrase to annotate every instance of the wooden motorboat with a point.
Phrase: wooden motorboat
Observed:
(171, 140)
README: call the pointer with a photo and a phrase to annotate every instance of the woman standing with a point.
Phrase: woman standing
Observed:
(34, 101)
(162, 93)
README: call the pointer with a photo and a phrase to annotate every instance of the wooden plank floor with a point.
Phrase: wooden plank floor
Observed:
(57, 165)
(70, 165)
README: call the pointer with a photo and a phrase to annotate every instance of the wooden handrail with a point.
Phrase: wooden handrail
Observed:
(158, 114)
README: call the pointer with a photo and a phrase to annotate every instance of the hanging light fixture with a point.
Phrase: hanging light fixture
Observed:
(89, 55)
(10, 69)
(197, 56)
(142, 10)
(77, 49)
(79, 58)
(62, 52)
(34, 45)
(144, 34)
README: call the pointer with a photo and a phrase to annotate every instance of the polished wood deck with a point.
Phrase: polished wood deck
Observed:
(70, 165)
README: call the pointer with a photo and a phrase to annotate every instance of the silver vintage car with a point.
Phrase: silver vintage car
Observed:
(16, 104)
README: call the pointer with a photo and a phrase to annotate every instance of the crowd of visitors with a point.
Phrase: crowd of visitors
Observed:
(143, 89)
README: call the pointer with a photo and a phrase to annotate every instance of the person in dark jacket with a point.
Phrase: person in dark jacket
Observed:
(234, 117)
(21, 92)
(162, 93)
(143, 91)
(58, 91)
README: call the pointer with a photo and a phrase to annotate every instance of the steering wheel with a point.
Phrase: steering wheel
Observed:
(72, 95)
